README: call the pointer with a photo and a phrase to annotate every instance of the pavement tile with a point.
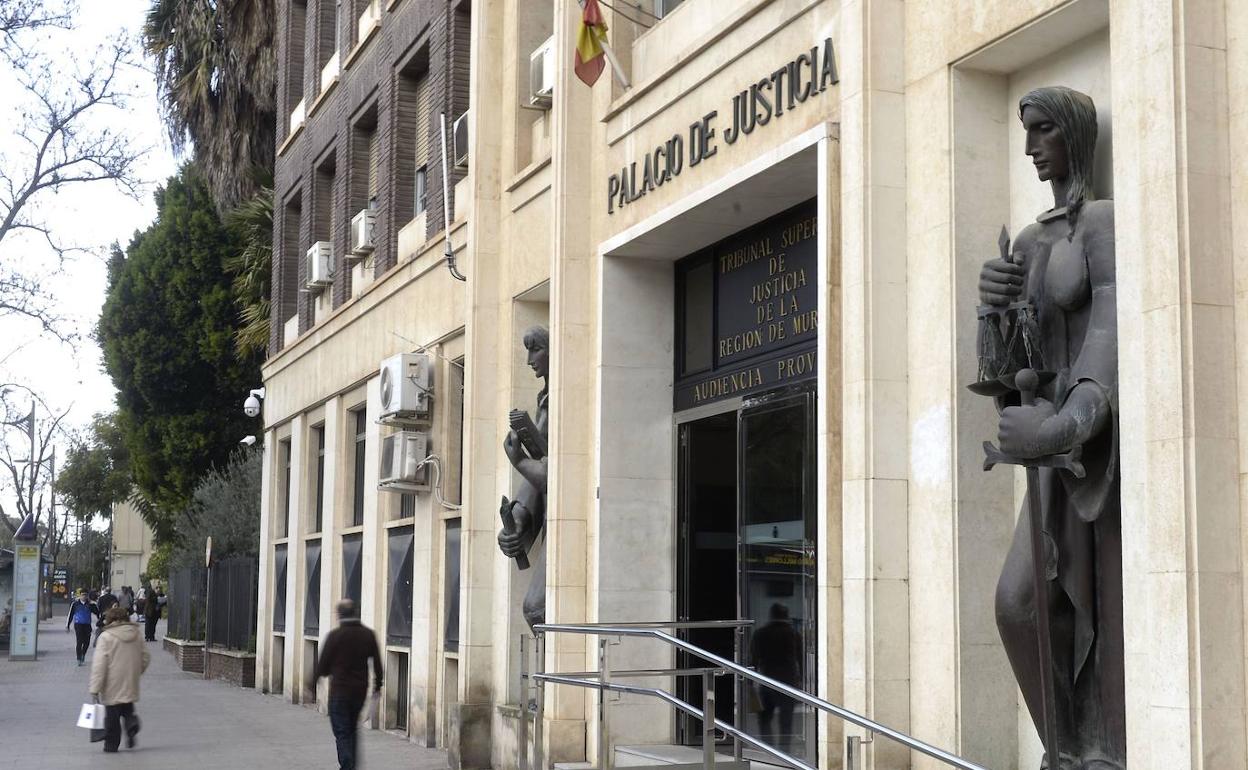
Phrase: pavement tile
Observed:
(187, 721)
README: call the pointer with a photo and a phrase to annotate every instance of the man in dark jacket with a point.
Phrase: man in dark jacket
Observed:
(344, 659)
(151, 614)
(103, 604)
(777, 653)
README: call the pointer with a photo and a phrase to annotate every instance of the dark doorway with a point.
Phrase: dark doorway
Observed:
(746, 533)
(707, 515)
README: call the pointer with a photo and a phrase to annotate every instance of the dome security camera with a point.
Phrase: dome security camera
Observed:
(251, 407)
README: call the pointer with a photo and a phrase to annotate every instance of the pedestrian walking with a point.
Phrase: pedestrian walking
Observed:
(106, 602)
(127, 600)
(120, 659)
(151, 614)
(80, 612)
(777, 653)
(344, 659)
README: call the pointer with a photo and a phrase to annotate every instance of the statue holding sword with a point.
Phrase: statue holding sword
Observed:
(1048, 348)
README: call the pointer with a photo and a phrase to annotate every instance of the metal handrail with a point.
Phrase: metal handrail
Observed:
(620, 630)
(679, 705)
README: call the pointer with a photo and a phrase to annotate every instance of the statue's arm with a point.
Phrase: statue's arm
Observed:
(1088, 408)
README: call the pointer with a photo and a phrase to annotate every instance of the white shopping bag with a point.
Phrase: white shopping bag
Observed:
(368, 714)
(92, 716)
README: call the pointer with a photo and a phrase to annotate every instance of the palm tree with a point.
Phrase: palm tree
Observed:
(251, 267)
(216, 73)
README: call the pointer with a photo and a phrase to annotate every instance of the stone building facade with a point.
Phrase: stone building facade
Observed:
(715, 274)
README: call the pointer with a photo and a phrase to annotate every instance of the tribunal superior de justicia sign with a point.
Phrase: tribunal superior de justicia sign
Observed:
(782, 91)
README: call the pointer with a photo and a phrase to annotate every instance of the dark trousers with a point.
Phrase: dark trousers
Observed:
(772, 702)
(83, 632)
(113, 716)
(344, 719)
(150, 629)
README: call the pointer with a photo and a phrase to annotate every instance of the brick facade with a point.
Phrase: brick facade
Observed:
(321, 178)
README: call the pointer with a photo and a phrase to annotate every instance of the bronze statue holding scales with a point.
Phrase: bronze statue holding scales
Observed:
(1048, 355)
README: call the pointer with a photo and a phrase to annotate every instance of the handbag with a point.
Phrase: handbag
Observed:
(92, 716)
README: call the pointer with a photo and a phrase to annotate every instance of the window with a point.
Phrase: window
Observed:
(407, 506)
(296, 42)
(283, 522)
(279, 588)
(416, 119)
(451, 585)
(338, 26)
(399, 542)
(357, 496)
(312, 602)
(318, 496)
(664, 7)
(352, 567)
(422, 191)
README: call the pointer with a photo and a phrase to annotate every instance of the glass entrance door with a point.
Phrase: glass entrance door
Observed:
(777, 556)
(746, 533)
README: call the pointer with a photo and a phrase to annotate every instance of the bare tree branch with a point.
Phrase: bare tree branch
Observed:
(58, 141)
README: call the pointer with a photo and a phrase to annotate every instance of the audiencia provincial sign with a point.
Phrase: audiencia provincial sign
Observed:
(807, 75)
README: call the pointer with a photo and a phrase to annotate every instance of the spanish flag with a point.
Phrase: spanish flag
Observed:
(590, 39)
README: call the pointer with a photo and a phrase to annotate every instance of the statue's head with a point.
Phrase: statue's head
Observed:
(1061, 140)
(537, 342)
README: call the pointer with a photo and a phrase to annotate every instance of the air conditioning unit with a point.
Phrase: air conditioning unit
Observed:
(320, 266)
(362, 225)
(542, 74)
(406, 386)
(460, 143)
(401, 456)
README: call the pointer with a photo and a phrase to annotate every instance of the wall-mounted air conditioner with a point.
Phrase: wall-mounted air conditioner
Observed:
(368, 19)
(320, 267)
(406, 386)
(542, 74)
(402, 453)
(460, 144)
(297, 115)
(362, 225)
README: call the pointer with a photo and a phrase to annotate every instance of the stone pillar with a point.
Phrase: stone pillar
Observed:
(1183, 550)
(264, 575)
(831, 681)
(874, 377)
(572, 276)
(469, 731)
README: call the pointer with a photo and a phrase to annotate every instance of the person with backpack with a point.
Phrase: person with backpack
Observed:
(80, 612)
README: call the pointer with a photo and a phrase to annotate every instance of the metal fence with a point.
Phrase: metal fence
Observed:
(232, 603)
(187, 603)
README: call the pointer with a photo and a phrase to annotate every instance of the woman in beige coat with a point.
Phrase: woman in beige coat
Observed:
(120, 659)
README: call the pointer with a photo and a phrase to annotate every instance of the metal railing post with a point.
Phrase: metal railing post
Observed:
(853, 753)
(604, 676)
(524, 704)
(708, 720)
(539, 713)
(738, 689)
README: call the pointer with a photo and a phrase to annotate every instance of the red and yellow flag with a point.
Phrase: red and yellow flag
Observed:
(590, 57)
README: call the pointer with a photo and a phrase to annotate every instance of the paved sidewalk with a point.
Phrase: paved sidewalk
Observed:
(187, 721)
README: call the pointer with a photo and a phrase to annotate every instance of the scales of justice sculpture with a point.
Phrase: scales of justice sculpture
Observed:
(1048, 355)
(524, 518)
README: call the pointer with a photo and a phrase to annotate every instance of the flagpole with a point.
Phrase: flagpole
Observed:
(615, 63)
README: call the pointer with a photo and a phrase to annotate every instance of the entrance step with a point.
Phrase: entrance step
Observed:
(667, 758)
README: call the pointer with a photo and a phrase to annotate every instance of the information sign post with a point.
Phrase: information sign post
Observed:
(24, 636)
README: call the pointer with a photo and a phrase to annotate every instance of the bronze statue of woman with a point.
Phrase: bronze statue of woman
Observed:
(524, 518)
(1063, 266)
